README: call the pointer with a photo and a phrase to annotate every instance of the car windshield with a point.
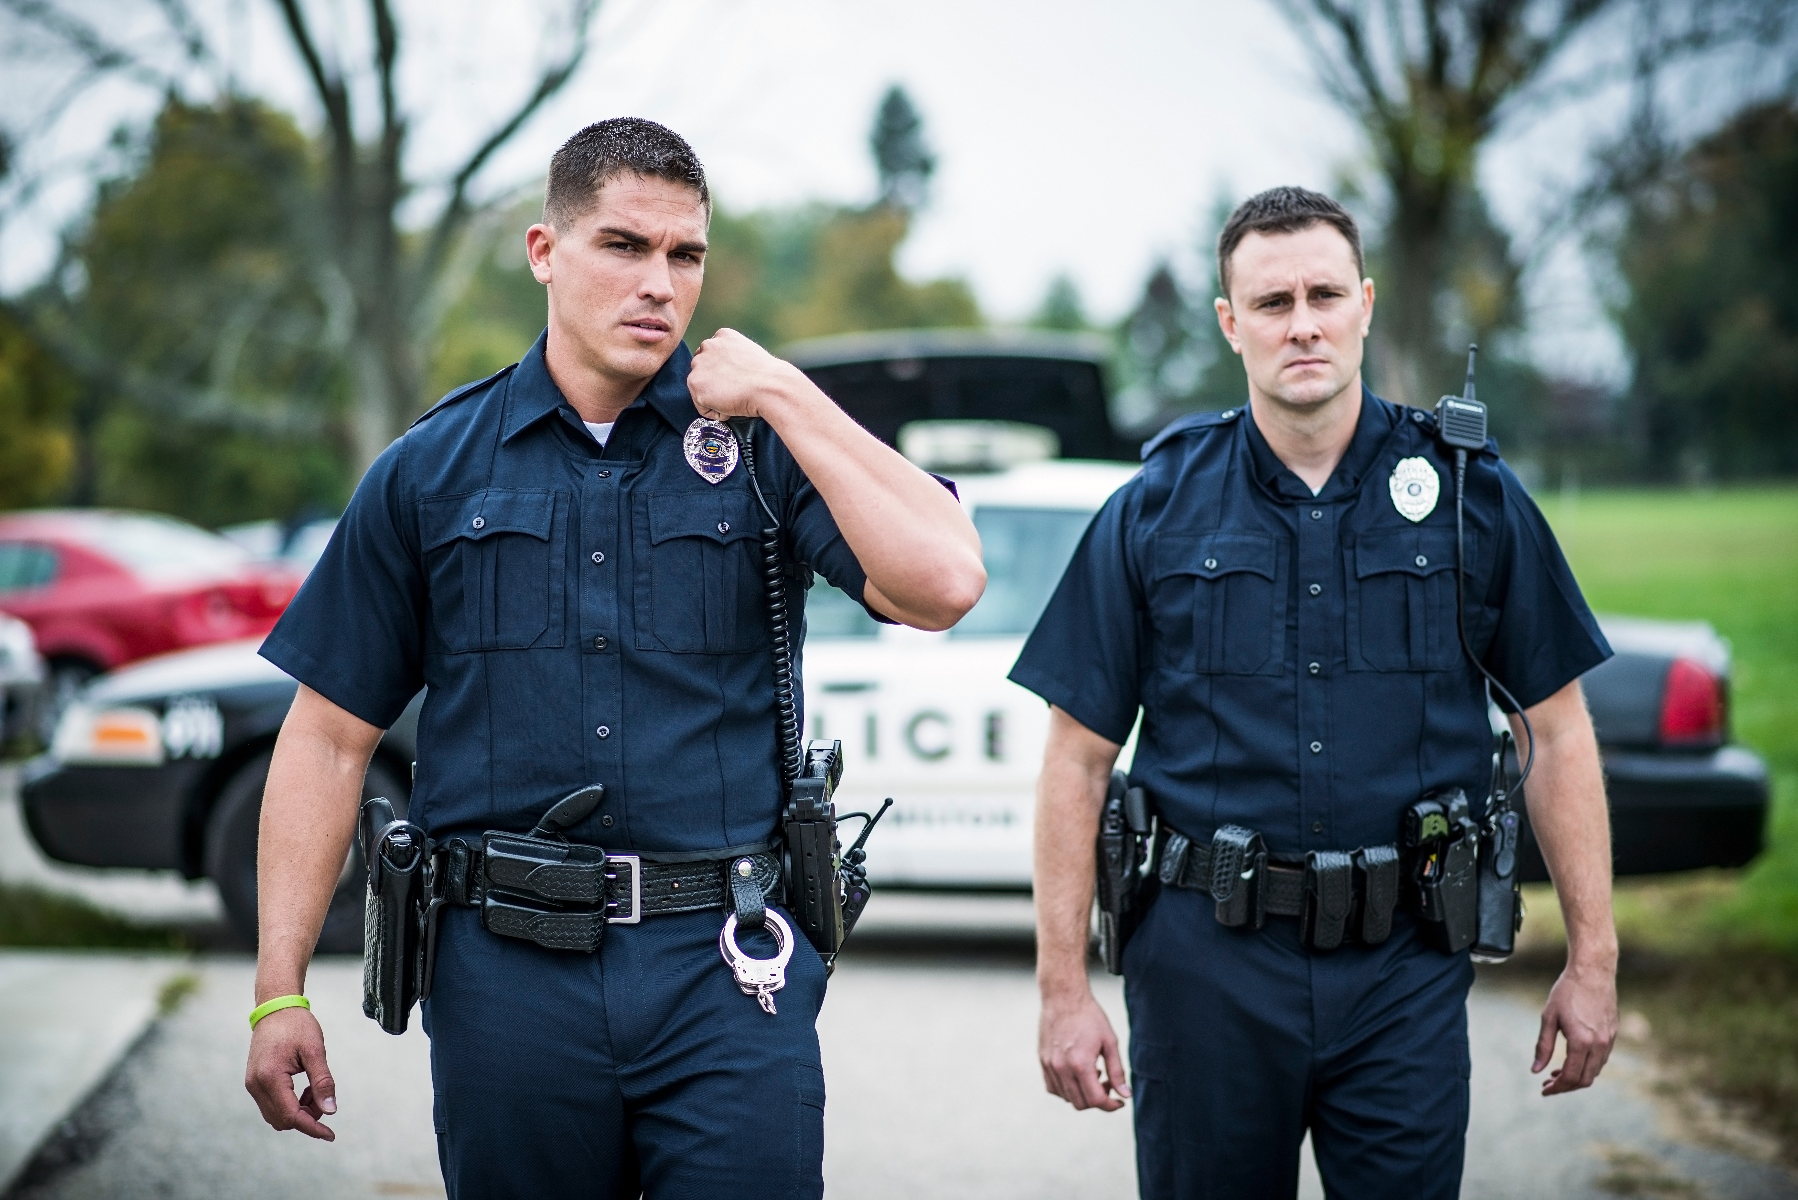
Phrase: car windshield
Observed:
(162, 549)
(1026, 550)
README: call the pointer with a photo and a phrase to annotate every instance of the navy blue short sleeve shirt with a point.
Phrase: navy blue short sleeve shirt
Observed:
(1294, 657)
(578, 614)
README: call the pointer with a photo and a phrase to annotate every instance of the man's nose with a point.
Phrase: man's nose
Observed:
(1304, 326)
(658, 281)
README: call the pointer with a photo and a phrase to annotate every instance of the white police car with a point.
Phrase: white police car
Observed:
(929, 718)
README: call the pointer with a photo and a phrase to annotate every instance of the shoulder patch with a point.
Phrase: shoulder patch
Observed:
(466, 389)
(1187, 424)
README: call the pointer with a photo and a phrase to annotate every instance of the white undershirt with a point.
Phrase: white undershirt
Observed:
(600, 432)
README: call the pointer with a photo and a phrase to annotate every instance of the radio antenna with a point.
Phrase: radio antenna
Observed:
(1472, 350)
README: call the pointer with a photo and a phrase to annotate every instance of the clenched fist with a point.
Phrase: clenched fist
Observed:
(734, 377)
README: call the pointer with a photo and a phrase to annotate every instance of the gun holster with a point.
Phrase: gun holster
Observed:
(398, 918)
(1126, 834)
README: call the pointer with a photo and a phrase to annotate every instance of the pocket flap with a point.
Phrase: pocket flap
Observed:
(1412, 551)
(1213, 555)
(721, 519)
(475, 515)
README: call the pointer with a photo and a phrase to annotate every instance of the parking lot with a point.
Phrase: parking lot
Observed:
(929, 1052)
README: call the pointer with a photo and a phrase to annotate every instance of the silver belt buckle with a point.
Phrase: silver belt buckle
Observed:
(636, 865)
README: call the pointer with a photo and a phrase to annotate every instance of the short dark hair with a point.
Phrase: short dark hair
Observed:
(605, 150)
(1284, 210)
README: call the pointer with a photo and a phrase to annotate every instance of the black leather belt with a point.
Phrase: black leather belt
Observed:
(565, 905)
(1337, 895)
(1284, 887)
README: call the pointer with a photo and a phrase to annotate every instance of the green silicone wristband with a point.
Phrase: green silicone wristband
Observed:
(276, 1005)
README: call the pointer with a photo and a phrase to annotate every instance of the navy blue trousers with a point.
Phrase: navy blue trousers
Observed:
(1240, 1041)
(640, 1069)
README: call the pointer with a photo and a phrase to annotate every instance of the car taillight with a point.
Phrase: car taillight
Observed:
(1693, 708)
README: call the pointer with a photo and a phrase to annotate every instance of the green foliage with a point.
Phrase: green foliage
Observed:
(1711, 262)
(36, 398)
(31, 916)
(1172, 358)
(780, 275)
(1061, 308)
(200, 311)
(499, 313)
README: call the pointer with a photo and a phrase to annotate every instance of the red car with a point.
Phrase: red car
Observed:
(103, 588)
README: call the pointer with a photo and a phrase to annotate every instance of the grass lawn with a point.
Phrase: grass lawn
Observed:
(1712, 958)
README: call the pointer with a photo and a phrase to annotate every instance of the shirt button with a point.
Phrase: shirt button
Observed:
(480, 522)
(605, 474)
(1314, 668)
(1317, 514)
(724, 527)
(599, 643)
(1211, 564)
(1317, 589)
(599, 556)
(1316, 747)
(1316, 826)
(1422, 561)
(604, 731)
(606, 820)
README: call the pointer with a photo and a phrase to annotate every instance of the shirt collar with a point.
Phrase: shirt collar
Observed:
(1377, 420)
(532, 395)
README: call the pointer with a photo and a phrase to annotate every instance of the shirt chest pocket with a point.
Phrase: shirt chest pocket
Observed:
(492, 569)
(1218, 604)
(1401, 609)
(701, 593)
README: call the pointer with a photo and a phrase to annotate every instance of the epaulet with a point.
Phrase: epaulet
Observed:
(1186, 424)
(465, 390)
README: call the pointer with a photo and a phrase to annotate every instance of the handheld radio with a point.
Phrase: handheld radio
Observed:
(1461, 427)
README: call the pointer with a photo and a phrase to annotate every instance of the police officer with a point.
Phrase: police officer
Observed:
(1277, 600)
(567, 556)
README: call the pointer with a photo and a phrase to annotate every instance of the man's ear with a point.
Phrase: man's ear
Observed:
(539, 241)
(1226, 321)
(1366, 306)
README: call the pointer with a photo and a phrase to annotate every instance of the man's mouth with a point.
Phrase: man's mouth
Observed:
(647, 326)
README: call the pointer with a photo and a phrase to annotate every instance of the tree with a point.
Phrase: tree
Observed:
(1172, 357)
(1061, 307)
(1429, 82)
(36, 398)
(380, 285)
(1710, 259)
(901, 156)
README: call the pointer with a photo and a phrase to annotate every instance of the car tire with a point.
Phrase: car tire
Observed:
(231, 854)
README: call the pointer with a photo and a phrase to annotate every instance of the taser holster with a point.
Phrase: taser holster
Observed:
(396, 916)
(1442, 842)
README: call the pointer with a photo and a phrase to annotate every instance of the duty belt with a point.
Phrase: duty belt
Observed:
(562, 896)
(1335, 894)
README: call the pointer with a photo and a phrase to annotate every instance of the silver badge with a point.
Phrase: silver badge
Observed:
(1415, 486)
(711, 449)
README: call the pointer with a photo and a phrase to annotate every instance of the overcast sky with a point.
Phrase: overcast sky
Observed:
(1071, 136)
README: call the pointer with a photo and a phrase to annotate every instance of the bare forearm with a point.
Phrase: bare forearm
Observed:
(1572, 825)
(910, 535)
(308, 818)
(1069, 794)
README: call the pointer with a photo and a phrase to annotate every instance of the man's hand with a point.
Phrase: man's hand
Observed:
(1073, 1035)
(1572, 826)
(1582, 1007)
(284, 1044)
(731, 375)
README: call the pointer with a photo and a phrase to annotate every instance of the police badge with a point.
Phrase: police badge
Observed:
(1414, 486)
(711, 450)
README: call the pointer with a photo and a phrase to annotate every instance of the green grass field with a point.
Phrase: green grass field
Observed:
(1730, 557)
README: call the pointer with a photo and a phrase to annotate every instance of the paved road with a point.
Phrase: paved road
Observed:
(933, 1090)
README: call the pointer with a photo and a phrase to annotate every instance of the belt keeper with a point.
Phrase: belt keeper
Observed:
(1173, 858)
(746, 898)
(1376, 893)
(1329, 895)
(1238, 869)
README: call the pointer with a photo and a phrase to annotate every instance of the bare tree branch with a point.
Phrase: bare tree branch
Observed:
(84, 39)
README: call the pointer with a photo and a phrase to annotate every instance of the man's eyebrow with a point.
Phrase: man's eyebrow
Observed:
(1276, 294)
(691, 247)
(629, 235)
